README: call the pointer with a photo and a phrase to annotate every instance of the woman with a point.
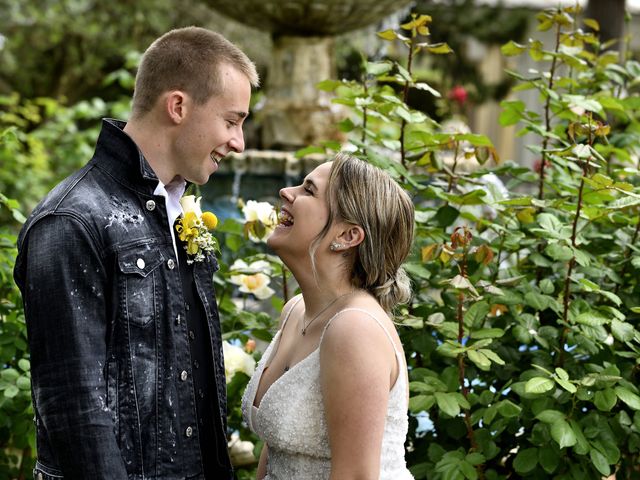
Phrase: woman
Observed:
(329, 397)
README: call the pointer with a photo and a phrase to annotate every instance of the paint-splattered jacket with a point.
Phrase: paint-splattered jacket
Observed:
(103, 303)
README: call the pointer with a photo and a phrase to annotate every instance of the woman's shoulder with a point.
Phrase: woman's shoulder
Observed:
(359, 329)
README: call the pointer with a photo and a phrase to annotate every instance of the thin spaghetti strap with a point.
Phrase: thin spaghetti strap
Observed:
(284, 322)
(372, 316)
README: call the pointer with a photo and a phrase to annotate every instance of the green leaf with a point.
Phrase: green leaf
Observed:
(439, 48)
(378, 68)
(447, 403)
(389, 35)
(537, 300)
(539, 385)
(467, 470)
(559, 252)
(487, 333)
(421, 403)
(567, 385)
(481, 361)
(623, 331)
(605, 400)
(526, 460)
(600, 462)
(23, 383)
(549, 457)
(563, 434)
(512, 48)
(582, 446)
(549, 222)
(592, 319)
(508, 409)
(24, 364)
(491, 355)
(476, 315)
(550, 416)
(628, 397)
(11, 391)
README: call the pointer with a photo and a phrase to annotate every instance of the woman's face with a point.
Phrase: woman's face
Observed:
(304, 214)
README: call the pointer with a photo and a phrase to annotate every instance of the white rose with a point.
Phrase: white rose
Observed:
(236, 360)
(262, 212)
(190, 203)
(254, 279)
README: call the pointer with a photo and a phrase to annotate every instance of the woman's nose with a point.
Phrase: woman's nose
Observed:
(286, 194)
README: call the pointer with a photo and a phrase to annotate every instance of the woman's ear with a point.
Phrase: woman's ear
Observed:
(350, 236)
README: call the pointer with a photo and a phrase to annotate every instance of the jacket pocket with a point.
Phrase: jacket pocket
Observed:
(139, 272)
(44, 472)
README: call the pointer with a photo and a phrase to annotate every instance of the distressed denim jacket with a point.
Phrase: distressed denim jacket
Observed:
(111, 373)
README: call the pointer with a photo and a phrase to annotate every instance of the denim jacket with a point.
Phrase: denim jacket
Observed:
(110, 366)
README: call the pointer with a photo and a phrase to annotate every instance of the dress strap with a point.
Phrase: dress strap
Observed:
(289, 312)
(398, 355)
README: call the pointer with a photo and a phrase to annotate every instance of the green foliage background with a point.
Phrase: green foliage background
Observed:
(522, 338)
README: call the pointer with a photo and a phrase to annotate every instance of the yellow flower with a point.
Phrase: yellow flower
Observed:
(210, 220)
(193, 229)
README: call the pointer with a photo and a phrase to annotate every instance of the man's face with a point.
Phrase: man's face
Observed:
(212, 130)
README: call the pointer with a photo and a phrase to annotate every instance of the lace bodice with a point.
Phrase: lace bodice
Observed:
(291, 419)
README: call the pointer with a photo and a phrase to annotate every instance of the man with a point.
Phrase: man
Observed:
(126, 358)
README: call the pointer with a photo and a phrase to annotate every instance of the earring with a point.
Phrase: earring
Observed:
(335, 246)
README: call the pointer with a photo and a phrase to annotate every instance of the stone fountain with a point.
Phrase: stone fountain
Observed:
(296, 114)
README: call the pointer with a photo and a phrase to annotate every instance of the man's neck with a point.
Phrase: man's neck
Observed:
(152, 142)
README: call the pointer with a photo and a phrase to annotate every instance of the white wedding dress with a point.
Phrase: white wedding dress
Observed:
(291, 420)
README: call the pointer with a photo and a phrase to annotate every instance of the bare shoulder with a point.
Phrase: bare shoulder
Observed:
(355, 334)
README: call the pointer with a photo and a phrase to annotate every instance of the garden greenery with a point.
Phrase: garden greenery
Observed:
(522, 337)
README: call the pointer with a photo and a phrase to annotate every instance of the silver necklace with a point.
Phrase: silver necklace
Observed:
(306, 326)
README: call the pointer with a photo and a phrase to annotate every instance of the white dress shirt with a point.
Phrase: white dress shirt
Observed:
(172, 193)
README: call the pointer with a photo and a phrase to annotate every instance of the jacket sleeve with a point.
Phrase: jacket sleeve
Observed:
(64, 289)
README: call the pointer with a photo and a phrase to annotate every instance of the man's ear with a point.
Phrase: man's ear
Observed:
(176, 104)
(351, 235)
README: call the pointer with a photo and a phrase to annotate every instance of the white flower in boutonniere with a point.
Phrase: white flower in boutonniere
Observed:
(193, 229)
(253, 278)
(261, 220)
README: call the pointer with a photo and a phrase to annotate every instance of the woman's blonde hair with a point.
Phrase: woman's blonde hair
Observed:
(187, 59)
(362, 194)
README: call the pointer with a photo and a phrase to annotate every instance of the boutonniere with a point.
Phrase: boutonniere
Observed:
(194, 227)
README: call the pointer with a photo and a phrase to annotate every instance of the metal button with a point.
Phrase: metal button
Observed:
(151, 205)
(171, 264)
(188, 432)
(183, 375)
(140, 263)
(196, 364)
(178, 319)
(192, 335)
(201, 393)
(186, 307)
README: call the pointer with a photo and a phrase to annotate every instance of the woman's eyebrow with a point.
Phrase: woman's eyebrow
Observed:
(308, 182)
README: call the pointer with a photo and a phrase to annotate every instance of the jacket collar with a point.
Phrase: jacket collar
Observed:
(118, 155)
